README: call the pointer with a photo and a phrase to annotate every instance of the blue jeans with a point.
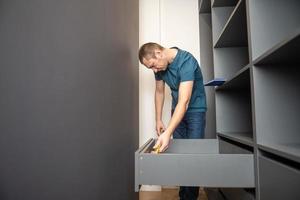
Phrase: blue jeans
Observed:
(192, 126)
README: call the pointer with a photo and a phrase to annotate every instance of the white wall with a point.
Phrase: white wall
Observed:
(180, 25)
(170, 23)
(149, 25)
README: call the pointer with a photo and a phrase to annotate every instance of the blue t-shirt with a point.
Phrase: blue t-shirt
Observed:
(185, 68)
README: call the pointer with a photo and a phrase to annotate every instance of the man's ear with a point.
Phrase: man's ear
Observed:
(158, 53)
(144, 61)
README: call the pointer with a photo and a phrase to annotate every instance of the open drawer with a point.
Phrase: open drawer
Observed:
(193, 162)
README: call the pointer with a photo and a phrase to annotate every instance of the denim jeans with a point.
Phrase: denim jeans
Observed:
(192, 126)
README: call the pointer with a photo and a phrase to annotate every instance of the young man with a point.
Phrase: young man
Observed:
(181, 71)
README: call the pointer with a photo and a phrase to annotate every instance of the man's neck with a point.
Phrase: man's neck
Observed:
(171, 54)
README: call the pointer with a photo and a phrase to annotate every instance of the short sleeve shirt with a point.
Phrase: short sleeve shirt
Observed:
(185, 68)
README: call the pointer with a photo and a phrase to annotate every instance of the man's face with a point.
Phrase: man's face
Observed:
(159, 63)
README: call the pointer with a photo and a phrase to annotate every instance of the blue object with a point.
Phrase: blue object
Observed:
(215, 82)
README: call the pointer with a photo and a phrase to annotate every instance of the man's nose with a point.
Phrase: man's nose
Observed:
(154, 70)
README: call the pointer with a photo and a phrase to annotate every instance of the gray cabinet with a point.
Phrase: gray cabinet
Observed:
(255, 47)
(278, 180)
(193, 163)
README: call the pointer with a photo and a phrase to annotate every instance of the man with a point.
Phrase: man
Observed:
(181, 71)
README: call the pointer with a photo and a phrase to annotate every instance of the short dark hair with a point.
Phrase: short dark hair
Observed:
(148, 50)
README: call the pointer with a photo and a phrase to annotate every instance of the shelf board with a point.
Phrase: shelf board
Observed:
(205, 6)
(241, 80)
(285, 52)
(287, 150)
(241, 137)
(223, 3)
(234, 33)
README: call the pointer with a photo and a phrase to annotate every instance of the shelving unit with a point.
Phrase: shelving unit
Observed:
(272, 22)
(234, 32)
(220, 16)
(239, 81)
(256, 46)
(275, 61)
(277, 112)
(233, 105)
(229, 60)
(231, 52)
(206, 63)
(285, 52)
(241, 137)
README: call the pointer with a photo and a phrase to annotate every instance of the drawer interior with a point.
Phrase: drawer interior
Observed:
(190, 146)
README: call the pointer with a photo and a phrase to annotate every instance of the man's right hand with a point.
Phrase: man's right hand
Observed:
(160, 127)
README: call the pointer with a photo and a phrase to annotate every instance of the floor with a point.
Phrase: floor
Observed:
(166, 194)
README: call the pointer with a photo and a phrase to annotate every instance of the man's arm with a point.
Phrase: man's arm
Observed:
(185, 93)
(159, 102)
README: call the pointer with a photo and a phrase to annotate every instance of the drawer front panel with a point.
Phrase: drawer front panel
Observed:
(277, 180)
(194, 169)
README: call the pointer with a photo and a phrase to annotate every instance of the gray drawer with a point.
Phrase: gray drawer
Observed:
(277, 180)
(193, 162)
